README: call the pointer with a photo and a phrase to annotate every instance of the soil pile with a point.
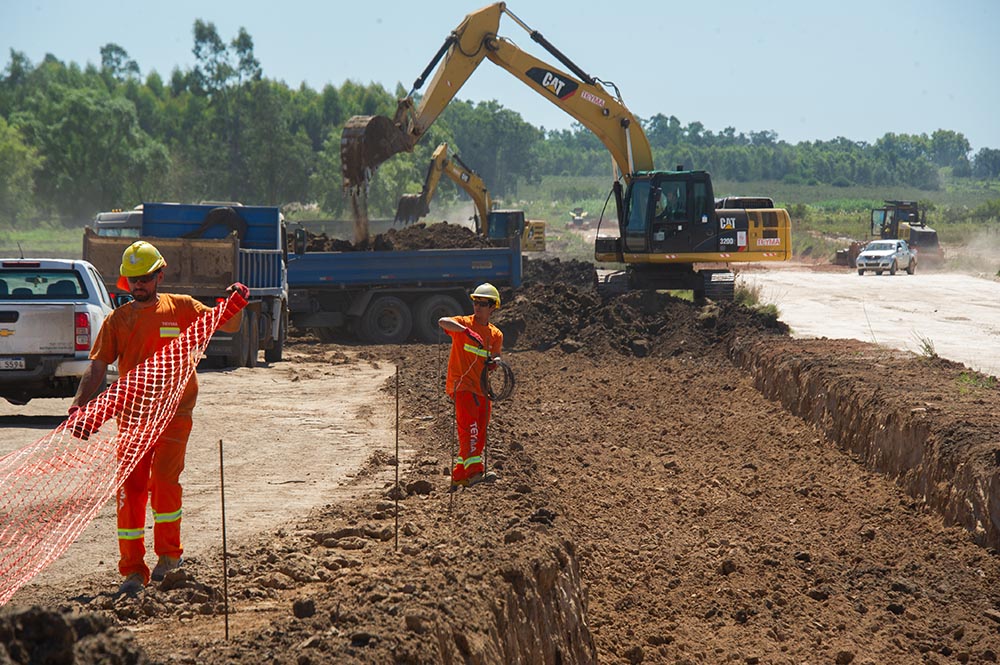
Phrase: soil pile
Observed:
(441, 235)
(641, 323)
(38, 635)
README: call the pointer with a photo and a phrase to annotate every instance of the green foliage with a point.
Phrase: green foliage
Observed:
(18, 165)
(77, 140)
(970, 381)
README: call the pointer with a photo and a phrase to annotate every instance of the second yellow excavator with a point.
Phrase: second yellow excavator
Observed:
(498, 225)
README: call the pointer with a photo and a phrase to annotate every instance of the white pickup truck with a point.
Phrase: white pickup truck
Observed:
(50, 313)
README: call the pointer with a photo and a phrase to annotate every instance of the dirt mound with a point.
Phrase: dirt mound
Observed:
(38, 635)
(640, 323)
(441, 235)
(550, 271)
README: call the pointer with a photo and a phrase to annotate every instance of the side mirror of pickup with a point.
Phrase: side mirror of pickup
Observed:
(120, 299)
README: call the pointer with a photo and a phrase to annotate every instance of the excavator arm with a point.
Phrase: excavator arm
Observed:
(367, 141)
(414, 206)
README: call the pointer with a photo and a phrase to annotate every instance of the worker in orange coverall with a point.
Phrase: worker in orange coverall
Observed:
(475, 345)
(130, 335)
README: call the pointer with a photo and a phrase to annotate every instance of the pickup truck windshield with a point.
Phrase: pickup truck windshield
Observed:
(38, 284)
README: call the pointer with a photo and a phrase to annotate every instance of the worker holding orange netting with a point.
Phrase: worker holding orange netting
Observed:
(475, 349)
(131, 334)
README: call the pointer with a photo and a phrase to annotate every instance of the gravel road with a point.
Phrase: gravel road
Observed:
(958, 314)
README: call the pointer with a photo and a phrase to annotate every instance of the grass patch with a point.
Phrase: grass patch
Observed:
(968, 381)
(43, 241)
(749, 295)
(925, 347)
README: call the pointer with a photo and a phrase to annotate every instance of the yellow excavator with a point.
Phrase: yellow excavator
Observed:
(668, 222)
(497, 225)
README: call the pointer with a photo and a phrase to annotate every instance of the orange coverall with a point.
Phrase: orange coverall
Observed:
(130, 336)
(472, 407)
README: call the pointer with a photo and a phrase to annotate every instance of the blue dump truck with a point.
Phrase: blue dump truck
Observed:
(207, 247)
(389, 297)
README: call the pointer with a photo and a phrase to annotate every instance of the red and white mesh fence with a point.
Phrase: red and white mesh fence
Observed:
(52, 489)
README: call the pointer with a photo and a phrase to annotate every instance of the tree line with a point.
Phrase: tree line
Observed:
(76, 140)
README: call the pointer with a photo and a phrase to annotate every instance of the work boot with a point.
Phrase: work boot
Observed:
(132, 585)
(455, 484)
(488, 477)
(164, 566)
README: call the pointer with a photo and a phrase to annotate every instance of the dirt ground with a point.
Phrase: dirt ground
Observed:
(667, 495)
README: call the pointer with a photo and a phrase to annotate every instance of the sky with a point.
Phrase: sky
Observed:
(803, 69)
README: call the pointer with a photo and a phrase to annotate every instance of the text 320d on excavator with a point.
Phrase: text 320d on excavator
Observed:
(668, 221)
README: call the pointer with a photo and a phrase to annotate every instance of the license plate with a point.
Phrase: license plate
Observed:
(11, 363)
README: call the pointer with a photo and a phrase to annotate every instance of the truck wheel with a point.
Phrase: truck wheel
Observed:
(387, 321)
(238, 354)
(910, 269)
(861, 272)
(325, 334)
(892, 268)
(253, 338)
(273, 355)
(426, 315)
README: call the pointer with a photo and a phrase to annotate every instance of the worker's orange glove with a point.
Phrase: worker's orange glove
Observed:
(475, 337)
(81, 428)
(239, 288)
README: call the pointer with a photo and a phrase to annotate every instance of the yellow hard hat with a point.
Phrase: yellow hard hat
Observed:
(139, 258)
(487, 290)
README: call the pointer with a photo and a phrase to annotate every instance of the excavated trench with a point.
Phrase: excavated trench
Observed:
(945, 456)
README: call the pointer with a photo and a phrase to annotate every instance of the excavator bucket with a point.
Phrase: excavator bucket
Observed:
(411, 208)
(366, 142)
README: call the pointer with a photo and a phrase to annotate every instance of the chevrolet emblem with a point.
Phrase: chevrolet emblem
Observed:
(6, 332)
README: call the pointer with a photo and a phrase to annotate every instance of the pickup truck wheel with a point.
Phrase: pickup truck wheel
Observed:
(273, 355)
(387, 321)
(426, 315)
(861, 272)
(910, 269)
(253, 338)
(892, 268)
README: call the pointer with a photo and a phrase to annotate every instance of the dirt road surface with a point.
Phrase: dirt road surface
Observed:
(324, 421)
(678, 484)
(958, 315)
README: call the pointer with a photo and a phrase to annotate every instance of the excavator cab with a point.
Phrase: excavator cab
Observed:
(670, 211)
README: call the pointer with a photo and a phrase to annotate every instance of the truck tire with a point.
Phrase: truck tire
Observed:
(910, 269)
(386, 321)
(253, 338)
(892, 268)
(426, 315)
(238, 354)
(273, 354)
(325, 334)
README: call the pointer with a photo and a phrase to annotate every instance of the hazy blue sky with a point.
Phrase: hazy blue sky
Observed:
(806, 70)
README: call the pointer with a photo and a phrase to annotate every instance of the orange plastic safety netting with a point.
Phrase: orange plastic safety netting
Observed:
(52, 489)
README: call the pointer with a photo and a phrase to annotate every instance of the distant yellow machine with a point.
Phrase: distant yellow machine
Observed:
(495, 224)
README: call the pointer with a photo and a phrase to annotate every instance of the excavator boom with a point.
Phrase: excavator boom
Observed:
(367, 141)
